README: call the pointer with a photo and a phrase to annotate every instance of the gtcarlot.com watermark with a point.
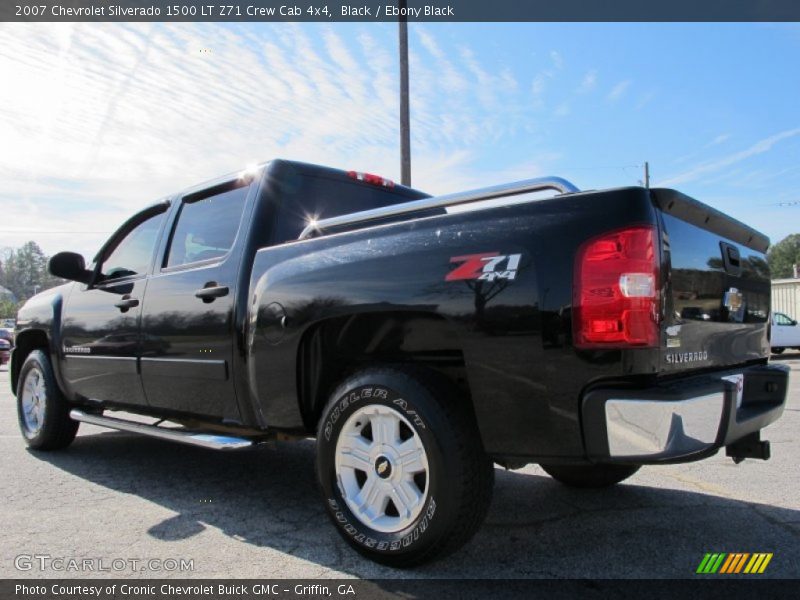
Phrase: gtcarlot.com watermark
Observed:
(72, 564)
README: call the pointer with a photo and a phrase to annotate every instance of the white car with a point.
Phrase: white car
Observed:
(785, 333)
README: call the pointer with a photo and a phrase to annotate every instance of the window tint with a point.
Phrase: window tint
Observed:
(133, 254)
(207, 227)
(307, 197)
(781, 319)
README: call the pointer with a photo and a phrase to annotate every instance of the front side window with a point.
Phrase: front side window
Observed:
(781, 319)
(133, 254)
(206, 227)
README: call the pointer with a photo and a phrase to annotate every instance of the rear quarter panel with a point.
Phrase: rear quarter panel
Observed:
(524, 376)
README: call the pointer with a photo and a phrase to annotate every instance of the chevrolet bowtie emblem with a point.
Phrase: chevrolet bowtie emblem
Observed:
(732, 300)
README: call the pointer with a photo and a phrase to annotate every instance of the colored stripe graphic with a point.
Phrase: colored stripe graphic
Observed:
(729, 563)
(734, 563)
(758, 563)
(703, 563)
(741, 562)
(711, 562)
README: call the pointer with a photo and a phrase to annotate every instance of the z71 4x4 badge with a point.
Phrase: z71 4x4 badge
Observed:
(487, 266)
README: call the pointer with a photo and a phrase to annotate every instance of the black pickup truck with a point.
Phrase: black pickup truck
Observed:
(419, 339)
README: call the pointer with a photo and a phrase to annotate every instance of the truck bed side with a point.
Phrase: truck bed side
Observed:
(382, 294)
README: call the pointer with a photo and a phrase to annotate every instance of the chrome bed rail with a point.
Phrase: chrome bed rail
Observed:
(497, 191)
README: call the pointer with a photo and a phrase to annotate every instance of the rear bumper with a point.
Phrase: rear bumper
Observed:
(682, 420)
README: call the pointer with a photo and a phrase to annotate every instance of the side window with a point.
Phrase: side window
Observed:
(206, 227)
(133, 254)
(781, 319)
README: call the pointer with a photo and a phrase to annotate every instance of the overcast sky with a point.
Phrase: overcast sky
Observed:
(98, 120)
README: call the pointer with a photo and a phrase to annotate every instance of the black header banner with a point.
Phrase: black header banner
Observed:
(331, 11)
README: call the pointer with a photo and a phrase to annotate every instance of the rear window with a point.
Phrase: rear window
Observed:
(206, 227)
(309, 197)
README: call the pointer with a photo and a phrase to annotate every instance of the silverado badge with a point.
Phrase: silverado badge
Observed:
(675, 358)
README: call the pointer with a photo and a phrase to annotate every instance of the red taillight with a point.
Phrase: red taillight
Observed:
(615, 297)
(371, 178)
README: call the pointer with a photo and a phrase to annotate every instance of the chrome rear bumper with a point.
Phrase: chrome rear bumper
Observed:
(682, 420)
(648, 427)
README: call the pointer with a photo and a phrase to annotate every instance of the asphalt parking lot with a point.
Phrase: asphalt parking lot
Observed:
(115, 495)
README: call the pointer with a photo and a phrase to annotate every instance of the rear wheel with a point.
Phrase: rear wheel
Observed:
(41, 407)
(590, 476)
(401, 466)
(778, 350)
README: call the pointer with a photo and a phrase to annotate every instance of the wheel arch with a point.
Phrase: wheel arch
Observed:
(331, 349)
(26, 342)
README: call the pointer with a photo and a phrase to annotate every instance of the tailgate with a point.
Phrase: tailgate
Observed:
(718, 288)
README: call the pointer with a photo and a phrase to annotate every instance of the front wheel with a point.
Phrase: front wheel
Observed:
(401, 466)
(590, 476)
(778, 350)
(42, 410)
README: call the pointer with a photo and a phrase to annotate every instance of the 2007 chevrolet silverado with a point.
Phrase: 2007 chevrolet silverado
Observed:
(589, 332)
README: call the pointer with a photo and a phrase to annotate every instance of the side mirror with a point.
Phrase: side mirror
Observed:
(794, 323)
(69, 265)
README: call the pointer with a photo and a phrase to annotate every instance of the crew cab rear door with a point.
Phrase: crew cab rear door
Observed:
(187, 320)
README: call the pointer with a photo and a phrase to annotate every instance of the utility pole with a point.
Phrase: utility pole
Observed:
(647, 175)
(405, 126)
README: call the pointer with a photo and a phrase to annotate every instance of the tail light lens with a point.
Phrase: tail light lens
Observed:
(616, 300)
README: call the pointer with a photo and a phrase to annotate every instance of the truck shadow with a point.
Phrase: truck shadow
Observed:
(536, 528)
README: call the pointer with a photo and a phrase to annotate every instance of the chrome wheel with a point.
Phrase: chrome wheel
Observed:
(33, 401)
(382, 468)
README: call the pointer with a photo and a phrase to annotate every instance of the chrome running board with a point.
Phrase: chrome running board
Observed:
(204, 440)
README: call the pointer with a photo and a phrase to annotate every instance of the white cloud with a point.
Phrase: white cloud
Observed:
(562, 110)
(589, 82)
(558, 60)
(450, 75)
(723, 137)
(618, 91)
(759, 147)
(645, 99)
(99, 120)
(538, 85)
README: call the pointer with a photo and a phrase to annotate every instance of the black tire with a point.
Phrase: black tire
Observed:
(590, 476)
(56, 430)
(778, 350)
(457, 485)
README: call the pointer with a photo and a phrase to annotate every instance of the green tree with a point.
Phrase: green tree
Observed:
(783, 255)
(24, 271)
(8, 309)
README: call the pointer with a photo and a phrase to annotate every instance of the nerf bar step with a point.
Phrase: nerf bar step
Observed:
(204, 440)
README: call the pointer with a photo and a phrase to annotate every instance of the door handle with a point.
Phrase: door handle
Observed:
(127, 303)
(211, 291)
